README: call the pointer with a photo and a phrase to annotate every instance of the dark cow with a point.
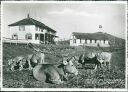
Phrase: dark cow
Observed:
(87, 60)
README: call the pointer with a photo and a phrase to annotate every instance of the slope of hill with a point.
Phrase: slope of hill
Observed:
(115, 77)
(115, 41)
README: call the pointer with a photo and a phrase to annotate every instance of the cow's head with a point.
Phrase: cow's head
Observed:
(69, 67)
(90, 54)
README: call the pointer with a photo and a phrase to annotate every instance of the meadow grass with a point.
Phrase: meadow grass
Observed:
(87, 78)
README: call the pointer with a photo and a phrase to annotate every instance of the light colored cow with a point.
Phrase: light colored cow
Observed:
(27, 60)
(31, 60)
(17, 61)
(36, 58)
(54, 73)
(104, 58)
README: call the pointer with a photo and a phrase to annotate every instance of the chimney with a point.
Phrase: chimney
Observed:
(28, 16)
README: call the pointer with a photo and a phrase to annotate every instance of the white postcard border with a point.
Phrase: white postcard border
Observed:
(65, 89)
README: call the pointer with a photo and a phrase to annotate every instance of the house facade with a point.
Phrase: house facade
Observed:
(30, 30)
(89, 39)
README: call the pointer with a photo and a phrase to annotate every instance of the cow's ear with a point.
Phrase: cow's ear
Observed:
(65, 62)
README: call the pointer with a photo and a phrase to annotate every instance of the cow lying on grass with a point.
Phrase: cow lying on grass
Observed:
(16, 63)
(54, 73)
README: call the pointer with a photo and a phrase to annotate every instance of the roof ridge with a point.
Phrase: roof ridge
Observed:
(95, 35)
(31, 21)
(88, 33)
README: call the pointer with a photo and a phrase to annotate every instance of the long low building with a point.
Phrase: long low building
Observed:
(30, 30)
(89, 39)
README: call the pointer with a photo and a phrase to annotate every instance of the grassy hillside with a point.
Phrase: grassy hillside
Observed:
(102, 78)
(12, 50)
(115, 41)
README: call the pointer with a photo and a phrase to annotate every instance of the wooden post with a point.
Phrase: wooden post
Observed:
(44, 38)
(39, 37)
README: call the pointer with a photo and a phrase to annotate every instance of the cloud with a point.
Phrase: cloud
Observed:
(65, 11)
(86, 14)
(72, 12)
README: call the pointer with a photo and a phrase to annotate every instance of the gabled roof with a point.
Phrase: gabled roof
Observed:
(31, 21)
(91, 36)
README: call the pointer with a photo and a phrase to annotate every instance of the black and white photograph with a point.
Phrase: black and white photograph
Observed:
(63, 45)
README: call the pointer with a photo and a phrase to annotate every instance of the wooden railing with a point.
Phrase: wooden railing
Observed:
(8, 40)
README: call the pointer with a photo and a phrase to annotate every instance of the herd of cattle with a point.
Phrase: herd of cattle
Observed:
(57, 73)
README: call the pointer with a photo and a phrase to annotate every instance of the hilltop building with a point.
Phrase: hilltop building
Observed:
(31, 30)
(89, 39)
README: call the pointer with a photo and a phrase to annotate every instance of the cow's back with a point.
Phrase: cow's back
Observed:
(38, 73)
(41, 71)
(104, 56)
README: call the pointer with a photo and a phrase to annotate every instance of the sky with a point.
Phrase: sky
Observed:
(66, 18)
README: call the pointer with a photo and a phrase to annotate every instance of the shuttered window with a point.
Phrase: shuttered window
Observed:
(74, 40)
(80, 40)
(15, 37)
(22, 28)
(28, 36)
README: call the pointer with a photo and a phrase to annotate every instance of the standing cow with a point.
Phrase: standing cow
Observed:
(54, 73)
(104, 58)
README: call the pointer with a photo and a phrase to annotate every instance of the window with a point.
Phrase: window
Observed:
(102, 41)
(42, 30)
(85, 41)
(95, 41)
(28, 36)
(15, 36)
(74, 41)
(37, 36)
(80, 40)
(36, 28)
(106, 42)
(73, 36)
(39, 29)
(90, 41)
(22, 28)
